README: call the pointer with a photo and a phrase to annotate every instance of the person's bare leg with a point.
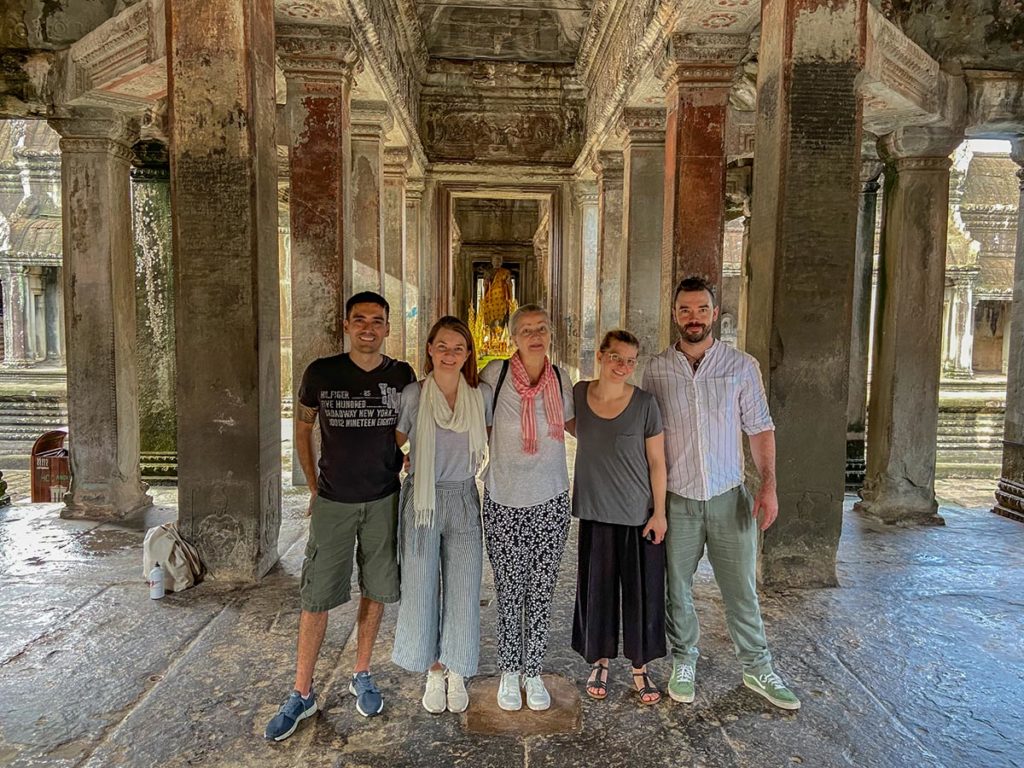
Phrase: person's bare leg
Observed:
(312, 627)
(367, 626)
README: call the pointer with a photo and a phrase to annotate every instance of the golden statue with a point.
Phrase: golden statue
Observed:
(489, 322)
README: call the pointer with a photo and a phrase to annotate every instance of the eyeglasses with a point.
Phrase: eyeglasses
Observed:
(616, 358)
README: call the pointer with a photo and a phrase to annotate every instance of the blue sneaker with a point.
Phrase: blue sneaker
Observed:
(292, 712)
(369, 702)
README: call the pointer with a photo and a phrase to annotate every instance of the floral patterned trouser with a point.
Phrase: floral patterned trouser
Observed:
(525, 545)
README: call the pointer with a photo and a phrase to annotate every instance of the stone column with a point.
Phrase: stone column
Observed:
(1010, 492)
(802, 245)
(396, 169)
(588, 204)
(15, 313)
(860, 341)
(610, 244)
(36, 315)
(224, 204)
(644, 303)
(99, 291)
(698, 80)
(369, 124)
(958, 346)
(413, 264)
(899, 486)
(54, 318)
(154, 298)
(318, 65)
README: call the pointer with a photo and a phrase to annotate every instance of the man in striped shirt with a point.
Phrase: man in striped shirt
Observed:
(709, 395)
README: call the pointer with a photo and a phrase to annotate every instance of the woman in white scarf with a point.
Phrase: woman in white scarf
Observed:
(445, 418)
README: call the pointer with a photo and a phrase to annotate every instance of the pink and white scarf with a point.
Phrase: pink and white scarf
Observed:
(547, 385)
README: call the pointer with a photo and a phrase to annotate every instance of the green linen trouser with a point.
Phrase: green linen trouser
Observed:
(725, 526)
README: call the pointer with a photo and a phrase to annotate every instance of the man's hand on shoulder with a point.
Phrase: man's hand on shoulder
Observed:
(766, 506)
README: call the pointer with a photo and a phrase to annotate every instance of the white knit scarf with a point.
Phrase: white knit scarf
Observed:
(467, 416)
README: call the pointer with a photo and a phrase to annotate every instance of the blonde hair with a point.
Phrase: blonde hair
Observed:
(526, 309)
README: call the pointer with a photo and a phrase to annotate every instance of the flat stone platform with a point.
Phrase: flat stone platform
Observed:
(916, 661)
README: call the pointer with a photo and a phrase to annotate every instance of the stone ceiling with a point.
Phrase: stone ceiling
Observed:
(547, 31)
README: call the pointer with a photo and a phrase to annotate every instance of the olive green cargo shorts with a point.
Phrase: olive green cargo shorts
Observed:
(336, 530)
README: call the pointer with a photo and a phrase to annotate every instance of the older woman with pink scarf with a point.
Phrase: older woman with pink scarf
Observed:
(526, 501)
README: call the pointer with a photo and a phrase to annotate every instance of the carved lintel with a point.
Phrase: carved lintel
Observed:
(150, 160)
(414, 191)
(396, 161)
(919, 147)
(900, 83)
(96, 131)
(584, 193)
(995, 102)
(609, 166)
(642, 126)
(370, 120)
(317, 54)
(707, 60)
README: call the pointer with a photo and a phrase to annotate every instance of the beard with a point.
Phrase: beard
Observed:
(694, 333)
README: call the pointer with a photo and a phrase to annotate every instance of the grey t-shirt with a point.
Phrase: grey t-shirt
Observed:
(515, 478)
(451, 454)
(613, 481)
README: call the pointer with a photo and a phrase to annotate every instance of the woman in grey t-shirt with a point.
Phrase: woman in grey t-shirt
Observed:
(619, 497)
(526, 501)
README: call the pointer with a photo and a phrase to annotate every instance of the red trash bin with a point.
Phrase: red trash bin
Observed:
(51, 467)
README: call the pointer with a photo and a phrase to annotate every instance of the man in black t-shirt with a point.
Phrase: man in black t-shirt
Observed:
(355, 397)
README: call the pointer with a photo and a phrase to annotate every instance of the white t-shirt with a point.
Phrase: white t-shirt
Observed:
(514, 478)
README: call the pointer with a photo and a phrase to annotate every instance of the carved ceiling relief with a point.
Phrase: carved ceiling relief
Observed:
(462, 132)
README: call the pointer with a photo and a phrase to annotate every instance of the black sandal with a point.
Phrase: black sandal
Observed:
(647, 690)
(596, 687)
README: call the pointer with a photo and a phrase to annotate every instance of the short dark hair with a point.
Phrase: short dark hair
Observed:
(618, 335)
(694, 283)
(367, 297)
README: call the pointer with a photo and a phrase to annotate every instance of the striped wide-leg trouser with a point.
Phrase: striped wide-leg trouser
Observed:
(441, 565)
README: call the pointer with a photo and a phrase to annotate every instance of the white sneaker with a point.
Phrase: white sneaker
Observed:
(509, 696)
(458, 699)
(537, 696)
(433, 693)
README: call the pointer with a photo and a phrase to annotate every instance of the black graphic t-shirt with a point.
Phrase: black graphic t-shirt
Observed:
(357, 411)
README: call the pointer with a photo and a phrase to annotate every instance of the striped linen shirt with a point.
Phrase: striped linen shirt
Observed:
(703, 413)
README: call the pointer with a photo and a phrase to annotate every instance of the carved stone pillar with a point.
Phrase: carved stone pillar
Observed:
(224, 192)
(318, 65)
(15, 314)
(610, 244)
(369, 124)
(1010, 493)
(860, 342)
(958, 344)
(899, 486)
(99, 290)
(54, 317)
(413, 264)
(802, 245)
(644, 303)
(396, 170)
(586, 199)
(736, 249)
(698, 80)
(154, 299)
(36, 310)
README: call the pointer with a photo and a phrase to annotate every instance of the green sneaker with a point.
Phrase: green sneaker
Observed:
(680, 685)
(772, 687)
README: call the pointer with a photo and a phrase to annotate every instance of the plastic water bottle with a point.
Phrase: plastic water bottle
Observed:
(156, 582)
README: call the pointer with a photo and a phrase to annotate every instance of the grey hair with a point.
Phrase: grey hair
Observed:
(526, 309)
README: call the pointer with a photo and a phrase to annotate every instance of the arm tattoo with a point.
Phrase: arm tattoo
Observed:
(305, 413)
